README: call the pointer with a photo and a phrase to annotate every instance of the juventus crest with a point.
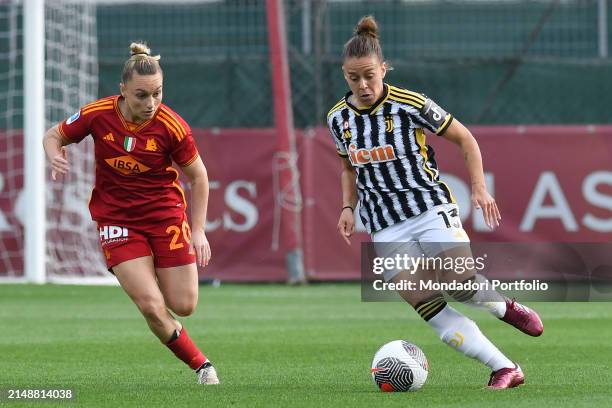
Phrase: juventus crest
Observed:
(389, 124)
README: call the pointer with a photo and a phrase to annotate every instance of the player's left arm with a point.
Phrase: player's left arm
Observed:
(462, 137)
(198, 178)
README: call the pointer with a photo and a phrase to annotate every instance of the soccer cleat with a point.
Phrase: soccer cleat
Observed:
(207, 374)
(523, 318)
(506, 378)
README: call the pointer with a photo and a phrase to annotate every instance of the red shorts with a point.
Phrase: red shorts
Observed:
(167, 241)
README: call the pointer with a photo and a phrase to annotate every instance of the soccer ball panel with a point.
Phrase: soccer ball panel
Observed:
(399, 366)
(392, 374)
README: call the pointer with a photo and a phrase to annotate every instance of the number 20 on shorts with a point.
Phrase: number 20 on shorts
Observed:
(174, 229)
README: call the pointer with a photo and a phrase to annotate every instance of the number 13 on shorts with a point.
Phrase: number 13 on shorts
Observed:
(453, 231)
(451, 217)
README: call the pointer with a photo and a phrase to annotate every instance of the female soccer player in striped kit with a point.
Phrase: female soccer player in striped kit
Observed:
(378, 130)
(138, 204)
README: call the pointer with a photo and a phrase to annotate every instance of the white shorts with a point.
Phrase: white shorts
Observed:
(428, 234)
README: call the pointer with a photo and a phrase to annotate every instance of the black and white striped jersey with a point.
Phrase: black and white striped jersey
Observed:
(397, 174)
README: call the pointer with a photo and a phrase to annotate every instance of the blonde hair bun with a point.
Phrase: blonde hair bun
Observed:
(140, 51)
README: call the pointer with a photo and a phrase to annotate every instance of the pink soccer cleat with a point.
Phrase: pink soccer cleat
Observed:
(523, 318)
(506, 378)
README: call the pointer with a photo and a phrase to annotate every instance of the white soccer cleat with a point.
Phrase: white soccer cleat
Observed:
(207, 374)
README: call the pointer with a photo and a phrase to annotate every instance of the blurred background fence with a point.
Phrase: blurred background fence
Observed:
(489, 62)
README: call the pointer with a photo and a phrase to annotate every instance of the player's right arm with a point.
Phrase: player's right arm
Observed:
(348, 182)
(72, 130)
(346, 223)
(54, 143)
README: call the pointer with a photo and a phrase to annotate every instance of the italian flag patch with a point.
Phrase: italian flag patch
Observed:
(129, 143)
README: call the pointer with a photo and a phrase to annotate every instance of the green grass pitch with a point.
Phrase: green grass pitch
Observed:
(282, 346)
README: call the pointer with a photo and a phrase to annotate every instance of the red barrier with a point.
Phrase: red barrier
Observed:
(552, 183)
(241, 214)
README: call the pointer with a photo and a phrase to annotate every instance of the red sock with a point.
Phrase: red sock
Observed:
(184, 349)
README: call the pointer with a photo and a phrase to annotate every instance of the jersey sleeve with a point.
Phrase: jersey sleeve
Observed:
(75, 128)
(336, 134)
(433, 117)
(185, 152)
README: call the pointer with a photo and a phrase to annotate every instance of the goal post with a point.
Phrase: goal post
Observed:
(33, 129)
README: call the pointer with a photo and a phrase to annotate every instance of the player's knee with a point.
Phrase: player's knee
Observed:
(184, 310)
(152, 309)
(184, 307)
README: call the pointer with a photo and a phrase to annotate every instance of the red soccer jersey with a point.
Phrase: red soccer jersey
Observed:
(135, 180)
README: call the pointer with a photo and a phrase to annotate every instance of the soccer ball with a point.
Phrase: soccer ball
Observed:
(399, 366)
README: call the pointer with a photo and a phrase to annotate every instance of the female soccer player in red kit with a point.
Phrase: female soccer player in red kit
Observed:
(138, 204)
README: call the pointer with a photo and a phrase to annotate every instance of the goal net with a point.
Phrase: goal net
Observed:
(71, 80)
(86, 43)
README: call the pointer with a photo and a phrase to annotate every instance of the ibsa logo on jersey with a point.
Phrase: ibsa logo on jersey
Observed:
(111, 233)
(127, 165)
(378, 154)
(73, 118)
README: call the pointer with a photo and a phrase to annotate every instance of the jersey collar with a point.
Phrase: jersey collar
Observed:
(371, 109)
(131, 127)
